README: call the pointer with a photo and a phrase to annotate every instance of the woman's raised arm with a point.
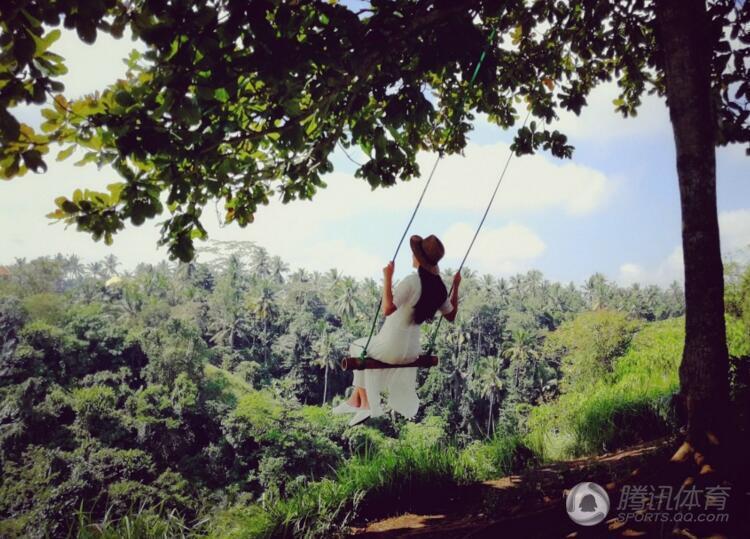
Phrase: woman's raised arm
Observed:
(388, 306)
(451, 316)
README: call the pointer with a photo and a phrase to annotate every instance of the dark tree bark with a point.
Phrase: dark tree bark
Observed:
(682, 30)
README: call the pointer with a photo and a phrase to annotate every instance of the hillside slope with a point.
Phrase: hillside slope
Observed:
(531, 504)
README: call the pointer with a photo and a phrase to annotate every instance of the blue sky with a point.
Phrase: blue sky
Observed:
(613, 208)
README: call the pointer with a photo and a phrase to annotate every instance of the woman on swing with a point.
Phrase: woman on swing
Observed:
(416, 299)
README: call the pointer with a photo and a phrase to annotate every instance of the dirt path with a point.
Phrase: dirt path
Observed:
(531, 504)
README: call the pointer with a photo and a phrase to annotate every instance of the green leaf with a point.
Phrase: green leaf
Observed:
(90, 157)
(115, 190)
(50, 114)
(197, 233)
(517, 34)
(45, 42)
(64, 154)
(311, 126)
(221, 95)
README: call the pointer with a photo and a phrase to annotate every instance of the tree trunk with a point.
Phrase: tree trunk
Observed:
(265, 341)
(682, 33)
(489, 416)
(325, 383)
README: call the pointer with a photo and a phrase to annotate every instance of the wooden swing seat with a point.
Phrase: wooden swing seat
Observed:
(357, 364)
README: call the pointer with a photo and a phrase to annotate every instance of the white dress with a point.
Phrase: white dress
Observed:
(397, 342)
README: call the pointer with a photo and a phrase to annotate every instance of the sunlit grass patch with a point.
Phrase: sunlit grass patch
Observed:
(632, 404)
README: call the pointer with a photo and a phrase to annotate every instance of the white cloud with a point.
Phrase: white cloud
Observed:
(502, 250)
(294, 232)
(630, 273)
(734, 230)
(599, 122)
(663, 274)
(351, 260)
(465, 183)
(531, 184)
(27, 233)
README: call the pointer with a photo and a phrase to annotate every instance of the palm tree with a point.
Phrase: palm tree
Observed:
(455, 337)
(516, 283)
(468, 277)
(263, 306)
(490, 383)
(597, 291)
(278, 269)
(131, 302)
(521, 351)
(316, 279)
(157, 281)
(75, 267)
(487, 282)
(370, 294)
(228, 328)
(346, 301)
(324, 348)
(261, 263)
(333, 275)
(110, 264)
(534, 281)
(554, 306)
(96, 270)
(675, 300)
(228, 313)
(300, 276)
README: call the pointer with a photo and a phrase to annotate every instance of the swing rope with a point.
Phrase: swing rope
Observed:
(363, 354)
(431, 344)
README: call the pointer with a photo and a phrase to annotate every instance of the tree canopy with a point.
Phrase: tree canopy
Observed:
(237, 102)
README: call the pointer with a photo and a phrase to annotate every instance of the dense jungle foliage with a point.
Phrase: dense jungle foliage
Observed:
(193, 399)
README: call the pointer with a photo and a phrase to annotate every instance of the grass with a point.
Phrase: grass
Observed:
(143, 523)
(631, 404)
(391, 478)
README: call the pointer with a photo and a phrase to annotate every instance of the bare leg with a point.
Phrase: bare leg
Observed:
(358, 381)
(365, 404)
(354, 400)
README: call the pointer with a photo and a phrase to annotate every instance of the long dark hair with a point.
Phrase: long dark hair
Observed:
(432, 297)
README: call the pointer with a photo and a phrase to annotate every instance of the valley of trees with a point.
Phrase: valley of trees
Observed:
(191, 389)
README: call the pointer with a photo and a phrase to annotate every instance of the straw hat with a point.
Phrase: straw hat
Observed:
(428, 251)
